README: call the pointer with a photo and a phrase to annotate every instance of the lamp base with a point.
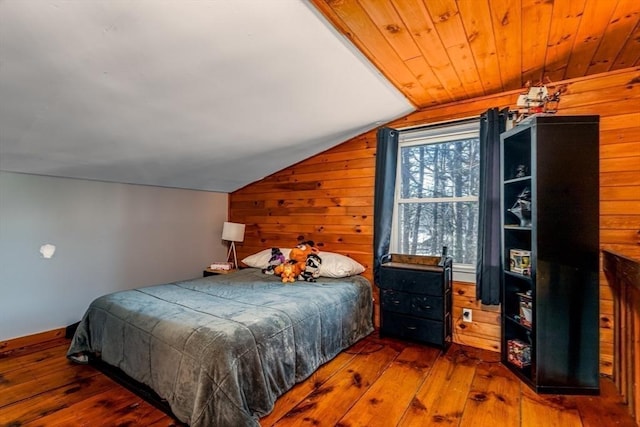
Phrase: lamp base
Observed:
(232, 248)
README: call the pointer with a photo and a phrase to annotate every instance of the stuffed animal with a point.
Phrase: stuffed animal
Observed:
(292, 268)
(311, 270)
(277, 258)
(299, 254)
(288, 272)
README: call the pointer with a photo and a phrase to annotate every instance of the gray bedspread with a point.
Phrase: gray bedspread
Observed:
(222, 349)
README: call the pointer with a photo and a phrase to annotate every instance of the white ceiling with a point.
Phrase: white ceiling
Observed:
(208, 95)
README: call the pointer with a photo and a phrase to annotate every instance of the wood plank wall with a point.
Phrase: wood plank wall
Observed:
(328, 198)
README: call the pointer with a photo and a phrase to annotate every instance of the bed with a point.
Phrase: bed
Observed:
(220, 350)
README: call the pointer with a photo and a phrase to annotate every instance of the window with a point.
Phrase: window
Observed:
(436, 198)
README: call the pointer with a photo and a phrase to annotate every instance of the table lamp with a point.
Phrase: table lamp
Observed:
(233, 232)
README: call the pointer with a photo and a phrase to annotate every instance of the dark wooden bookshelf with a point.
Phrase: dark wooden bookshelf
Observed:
(553, 160)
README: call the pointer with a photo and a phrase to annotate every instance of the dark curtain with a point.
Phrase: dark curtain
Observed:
(385, 187)
(488, 269)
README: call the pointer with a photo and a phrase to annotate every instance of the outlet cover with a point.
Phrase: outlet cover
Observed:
(467, 315)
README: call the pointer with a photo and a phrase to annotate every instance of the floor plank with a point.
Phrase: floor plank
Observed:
(493, 400)
(300, 391)
(111, 407)
(386, 400)
(54, 401)
(329, 402)
(20, 384)
(376, 382)
(548, 410)
(604, 410)
(441, 399)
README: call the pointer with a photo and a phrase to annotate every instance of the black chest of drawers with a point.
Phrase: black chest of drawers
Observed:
(415, 299)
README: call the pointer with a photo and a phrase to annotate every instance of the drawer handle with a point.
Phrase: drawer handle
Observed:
(396, 302)
(412, 328)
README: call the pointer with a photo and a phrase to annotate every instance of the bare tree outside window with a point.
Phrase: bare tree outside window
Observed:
(437, 194)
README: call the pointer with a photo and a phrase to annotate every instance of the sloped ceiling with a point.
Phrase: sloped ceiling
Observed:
(215, 94)
(208, 95)
(441, 51)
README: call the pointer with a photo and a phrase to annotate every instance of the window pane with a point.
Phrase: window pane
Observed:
(447, 169)
(424, 228)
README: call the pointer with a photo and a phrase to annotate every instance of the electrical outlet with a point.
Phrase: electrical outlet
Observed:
(467, 315)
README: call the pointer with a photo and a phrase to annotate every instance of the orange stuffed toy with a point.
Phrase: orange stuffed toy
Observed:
(291, 269)
(288, 272)
(299, 254)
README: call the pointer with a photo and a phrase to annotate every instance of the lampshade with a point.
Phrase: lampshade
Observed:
(233, 232)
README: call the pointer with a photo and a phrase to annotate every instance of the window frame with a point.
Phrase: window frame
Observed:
(436, 133)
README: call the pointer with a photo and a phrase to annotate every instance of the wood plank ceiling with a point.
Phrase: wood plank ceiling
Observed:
(441, 51)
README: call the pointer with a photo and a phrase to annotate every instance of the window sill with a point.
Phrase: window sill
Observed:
(463, 273)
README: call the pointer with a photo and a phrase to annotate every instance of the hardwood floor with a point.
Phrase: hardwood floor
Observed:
(377, 382)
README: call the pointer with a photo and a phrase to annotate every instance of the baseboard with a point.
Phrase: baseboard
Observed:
(31, 340)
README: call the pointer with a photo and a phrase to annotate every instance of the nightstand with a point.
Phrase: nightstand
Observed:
(209, 272)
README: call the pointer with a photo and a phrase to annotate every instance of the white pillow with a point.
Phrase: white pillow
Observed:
(337, 265)
(261, 259)
(333, 264)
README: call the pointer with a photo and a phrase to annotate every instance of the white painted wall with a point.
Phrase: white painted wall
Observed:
(108, 237)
